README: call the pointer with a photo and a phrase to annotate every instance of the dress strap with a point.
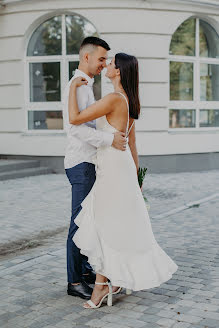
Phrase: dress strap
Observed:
(128, 114)
(130, 127)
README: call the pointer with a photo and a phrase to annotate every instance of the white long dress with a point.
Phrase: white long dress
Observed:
(114, 226)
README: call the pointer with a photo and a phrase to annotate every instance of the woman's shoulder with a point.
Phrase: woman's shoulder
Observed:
(113, 97)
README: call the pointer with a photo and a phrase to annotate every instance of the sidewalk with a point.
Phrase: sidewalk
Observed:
(33, 282)
(32, 205)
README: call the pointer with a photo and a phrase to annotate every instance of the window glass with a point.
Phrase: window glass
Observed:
(71, 68)
(208, 40)
(209, 82)
(45, 120)
(45, 82)
(182, 118)
(77, 28)
(181, 81)
(183, 40)
(182, 74)
(47, 39)
(209, 118)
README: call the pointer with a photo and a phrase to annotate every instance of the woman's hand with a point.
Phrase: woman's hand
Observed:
(79, 81)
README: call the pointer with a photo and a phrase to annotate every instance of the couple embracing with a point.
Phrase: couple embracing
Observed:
(110, 241)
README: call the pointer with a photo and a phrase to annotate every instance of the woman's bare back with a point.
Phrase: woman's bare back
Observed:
(119, 116)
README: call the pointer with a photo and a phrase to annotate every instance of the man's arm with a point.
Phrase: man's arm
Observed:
(92, 136)
(96, 138)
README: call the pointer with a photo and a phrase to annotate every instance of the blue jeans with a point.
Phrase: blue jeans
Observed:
(82, 178)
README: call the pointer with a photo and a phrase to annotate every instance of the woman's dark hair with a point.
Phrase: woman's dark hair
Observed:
(128, 66)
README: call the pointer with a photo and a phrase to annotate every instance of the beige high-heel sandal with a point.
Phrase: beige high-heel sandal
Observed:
(108, 295)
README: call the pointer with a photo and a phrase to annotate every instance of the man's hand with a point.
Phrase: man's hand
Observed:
(119, 141)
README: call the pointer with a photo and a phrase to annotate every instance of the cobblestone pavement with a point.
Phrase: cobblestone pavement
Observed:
(31, 205)
(33, 282)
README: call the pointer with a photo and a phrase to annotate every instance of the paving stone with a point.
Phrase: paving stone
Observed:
(209, 323)
(114, 318)
(204, 314)
(66, 324)
(151, 310)
(140, 308)
(159, 305)
(124, 305)
(37, 324)
(172, 293)
(190, 237)
(146, 302)
(114, 325)
(166, 314)
(132, 299)
(198, 326)
(188, 318)
(181, 325)
(166, 322)
(207, 307)
(149, 318)
(129, 313)
(96, 323)
(172, 300)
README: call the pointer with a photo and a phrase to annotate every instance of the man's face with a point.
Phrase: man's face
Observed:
(97, 60)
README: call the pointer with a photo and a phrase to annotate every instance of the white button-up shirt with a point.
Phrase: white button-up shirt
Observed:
(82, 140)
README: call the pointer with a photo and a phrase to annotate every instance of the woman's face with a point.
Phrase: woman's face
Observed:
(111, 71)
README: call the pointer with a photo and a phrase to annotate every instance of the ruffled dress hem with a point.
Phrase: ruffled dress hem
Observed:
(137, 271)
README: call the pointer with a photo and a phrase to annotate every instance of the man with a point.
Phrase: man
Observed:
(83, 140)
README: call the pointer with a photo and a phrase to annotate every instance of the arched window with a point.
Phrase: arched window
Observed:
(194, 76)
(52, 57)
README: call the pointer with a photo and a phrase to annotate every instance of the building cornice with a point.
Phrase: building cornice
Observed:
(211, 3)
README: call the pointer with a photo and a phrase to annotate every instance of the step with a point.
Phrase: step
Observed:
(25, 173)
(7, 165)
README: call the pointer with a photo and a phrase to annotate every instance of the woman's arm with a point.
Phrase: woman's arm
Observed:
(133, 148)
(98, 109)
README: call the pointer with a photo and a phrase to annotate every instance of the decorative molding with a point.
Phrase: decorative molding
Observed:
(212, 3)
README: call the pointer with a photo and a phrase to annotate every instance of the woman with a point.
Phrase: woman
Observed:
(114, 227)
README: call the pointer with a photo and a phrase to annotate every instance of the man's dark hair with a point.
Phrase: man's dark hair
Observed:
(93, 40)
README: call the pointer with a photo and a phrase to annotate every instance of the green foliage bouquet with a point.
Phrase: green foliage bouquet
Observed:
(141, 174)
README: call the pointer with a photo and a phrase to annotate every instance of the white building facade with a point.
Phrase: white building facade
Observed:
(176, 43)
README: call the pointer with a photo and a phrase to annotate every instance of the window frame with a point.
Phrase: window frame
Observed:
(64, 60)
(196, 104)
